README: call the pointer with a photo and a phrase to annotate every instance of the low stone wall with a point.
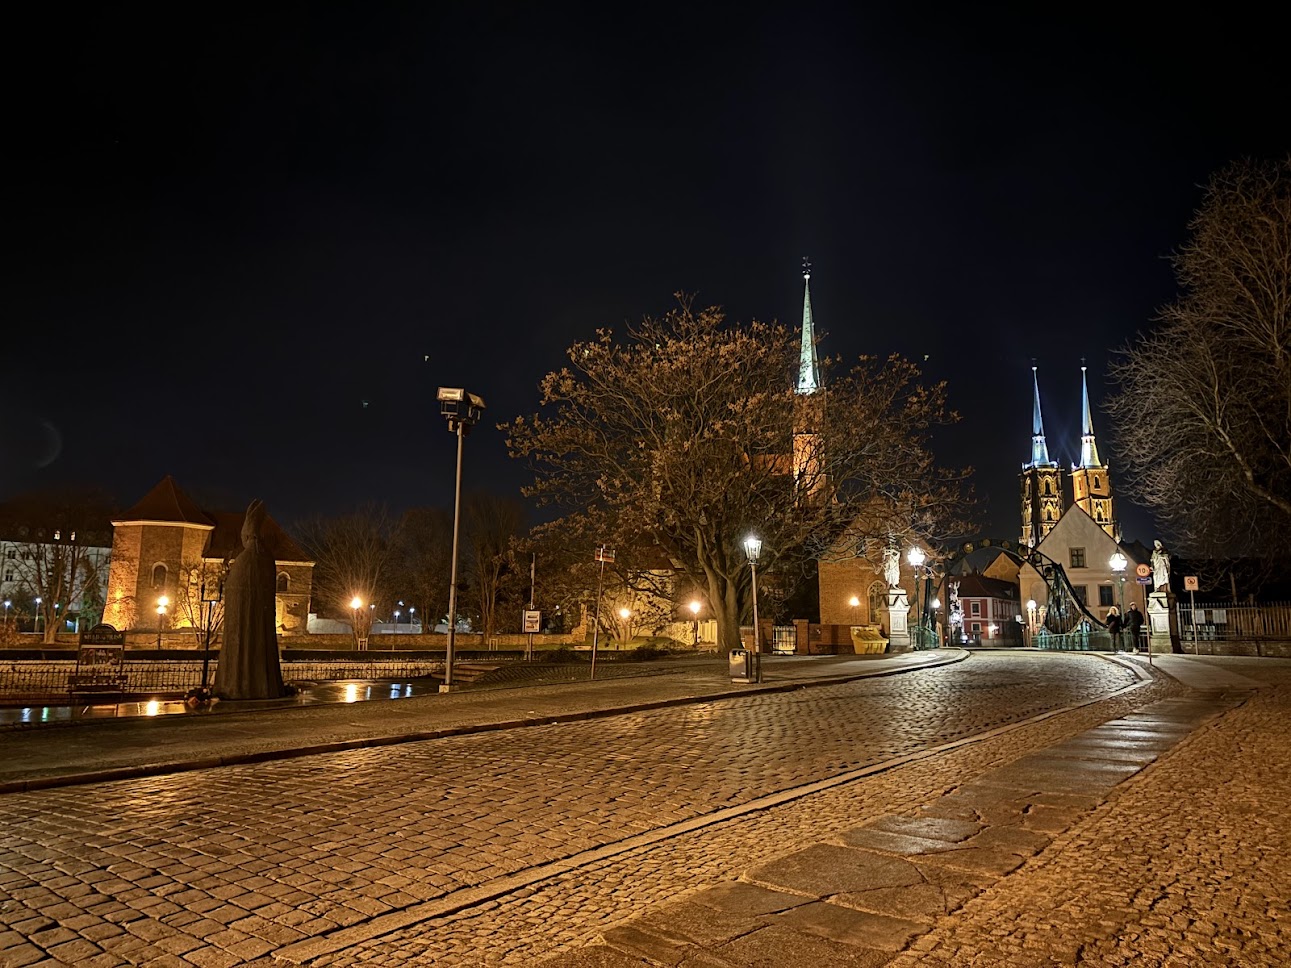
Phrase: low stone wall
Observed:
(1271, 649)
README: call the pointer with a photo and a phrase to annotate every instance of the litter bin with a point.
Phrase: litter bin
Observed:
(741, 665)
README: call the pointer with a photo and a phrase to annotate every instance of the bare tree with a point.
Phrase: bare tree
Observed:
(1203, 417)
(60, 534)
(688, 434)
(493, 524)
(351, 554)
(421, 560)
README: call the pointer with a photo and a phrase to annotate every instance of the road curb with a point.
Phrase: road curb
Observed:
(342, 746)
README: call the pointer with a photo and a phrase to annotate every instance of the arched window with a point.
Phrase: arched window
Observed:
(159, 572)
(282, 582)
(878, 599)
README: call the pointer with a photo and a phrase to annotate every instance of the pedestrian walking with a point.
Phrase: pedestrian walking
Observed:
(1114, 627)
(1134, 622)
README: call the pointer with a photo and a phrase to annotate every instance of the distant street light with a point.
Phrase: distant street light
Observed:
(694, 611)
(463, 411)
(397, 613)
(35, 621)
(1119, 563)
(935, 604)
(1031, 621)
(162, 602)
(753, 551)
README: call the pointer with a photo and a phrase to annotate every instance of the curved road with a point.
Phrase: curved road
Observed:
(235, 864)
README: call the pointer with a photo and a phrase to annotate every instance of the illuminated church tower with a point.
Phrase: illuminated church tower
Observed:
(808, 473)
(1090, 482)
(1042, 499)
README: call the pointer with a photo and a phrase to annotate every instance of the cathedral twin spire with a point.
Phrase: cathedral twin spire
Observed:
(808, 366)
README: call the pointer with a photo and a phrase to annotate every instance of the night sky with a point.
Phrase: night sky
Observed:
(245, 249)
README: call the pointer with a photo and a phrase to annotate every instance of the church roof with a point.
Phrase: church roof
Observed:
(167, 502)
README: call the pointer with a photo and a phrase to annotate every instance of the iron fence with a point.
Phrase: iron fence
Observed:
(1227, 623)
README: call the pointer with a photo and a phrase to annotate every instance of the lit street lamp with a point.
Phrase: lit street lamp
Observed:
(397, 613)
(412, 618)
(694, 611)
(753, 551)
(1119, 563)
(935, 604)
(463, 411)
(7, 603)
(625, 614)
(916, 558)
(35, 621)
(162, 602)
(1030, 621)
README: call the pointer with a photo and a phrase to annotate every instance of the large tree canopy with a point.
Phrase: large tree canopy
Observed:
(685, 436)
(1204, 413)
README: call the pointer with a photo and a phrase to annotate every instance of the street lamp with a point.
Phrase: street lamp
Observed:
(35, 621)
(1119, 563)
(625, 614)
(7, 603)
(916, 557)
(162, 602)
(397, 613)
(412, 619)
(463, 411)
(753, 551)
(1031, 620)
(360, 639)
(694, 611)
(936, 609)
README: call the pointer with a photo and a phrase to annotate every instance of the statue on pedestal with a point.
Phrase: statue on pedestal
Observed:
(1160, 567)
(892, 566)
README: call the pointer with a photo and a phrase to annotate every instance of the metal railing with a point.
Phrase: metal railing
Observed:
(1227, 623)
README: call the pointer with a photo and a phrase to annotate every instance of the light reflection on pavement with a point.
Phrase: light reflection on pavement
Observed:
(311, 693)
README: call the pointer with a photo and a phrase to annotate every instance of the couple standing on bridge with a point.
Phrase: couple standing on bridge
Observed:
(1132, 623)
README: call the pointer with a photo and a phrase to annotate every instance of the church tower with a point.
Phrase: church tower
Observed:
(1091, 484)
(1042, 498)
(808, 470)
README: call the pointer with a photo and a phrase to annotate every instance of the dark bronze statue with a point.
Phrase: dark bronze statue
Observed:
(250, 667)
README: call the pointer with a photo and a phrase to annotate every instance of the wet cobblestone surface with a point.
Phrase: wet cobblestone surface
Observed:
(248, 864)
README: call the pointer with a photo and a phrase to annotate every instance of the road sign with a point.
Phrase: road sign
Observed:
(1145, 581)
(604, 554)
(532, 621)
(1190, 583)
(1143, 571)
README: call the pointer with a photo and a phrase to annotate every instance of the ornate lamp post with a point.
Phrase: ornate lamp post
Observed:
(694, 611)
(463, 411)
(935, 604)
(1030, 622)
(1119, 563)
(753, 551)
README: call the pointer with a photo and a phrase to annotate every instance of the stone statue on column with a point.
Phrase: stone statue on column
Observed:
(1160, 567)
(892, 566)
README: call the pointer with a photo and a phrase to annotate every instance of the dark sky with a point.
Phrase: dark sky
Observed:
(245, 248)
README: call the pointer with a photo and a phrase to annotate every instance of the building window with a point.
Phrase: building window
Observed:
(282, 582)
(878, 599)
(976, 627)
(159, 576)
(1078, 557)
(1081, 595)
(1105, 598)
(975, 608)
(8, 576)
(11, 555)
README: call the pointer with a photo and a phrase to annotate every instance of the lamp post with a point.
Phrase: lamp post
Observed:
(210, 598)
(624, 615)
(916, 558)
(463, 411)
(694, 612)
(412, 619)
(397, 613)
(753, 551)
(1119, 563)
(936, 611)
(162, 602)
(35, 619)
(360, 640)
(7, 603)
(1030, 622)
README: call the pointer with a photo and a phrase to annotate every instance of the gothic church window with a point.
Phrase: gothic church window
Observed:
(159, 576)
(282, 582)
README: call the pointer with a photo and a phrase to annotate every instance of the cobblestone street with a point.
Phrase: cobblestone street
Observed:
(519, 845)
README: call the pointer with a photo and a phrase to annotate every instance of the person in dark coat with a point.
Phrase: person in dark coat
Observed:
(1134, 623)
(1114, 627)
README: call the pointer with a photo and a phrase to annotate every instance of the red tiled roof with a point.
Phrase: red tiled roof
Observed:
(974, 585)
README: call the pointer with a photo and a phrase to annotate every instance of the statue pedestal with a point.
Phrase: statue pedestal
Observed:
(1163, 624)
(898, 614)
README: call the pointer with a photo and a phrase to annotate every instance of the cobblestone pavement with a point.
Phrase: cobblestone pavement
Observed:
(504, 847)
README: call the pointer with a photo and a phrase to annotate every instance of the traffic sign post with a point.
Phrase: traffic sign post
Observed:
(1190, 586)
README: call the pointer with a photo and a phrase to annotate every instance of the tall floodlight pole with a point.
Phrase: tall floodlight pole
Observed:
(1119, 563)
(753, 550)
(463, 411)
